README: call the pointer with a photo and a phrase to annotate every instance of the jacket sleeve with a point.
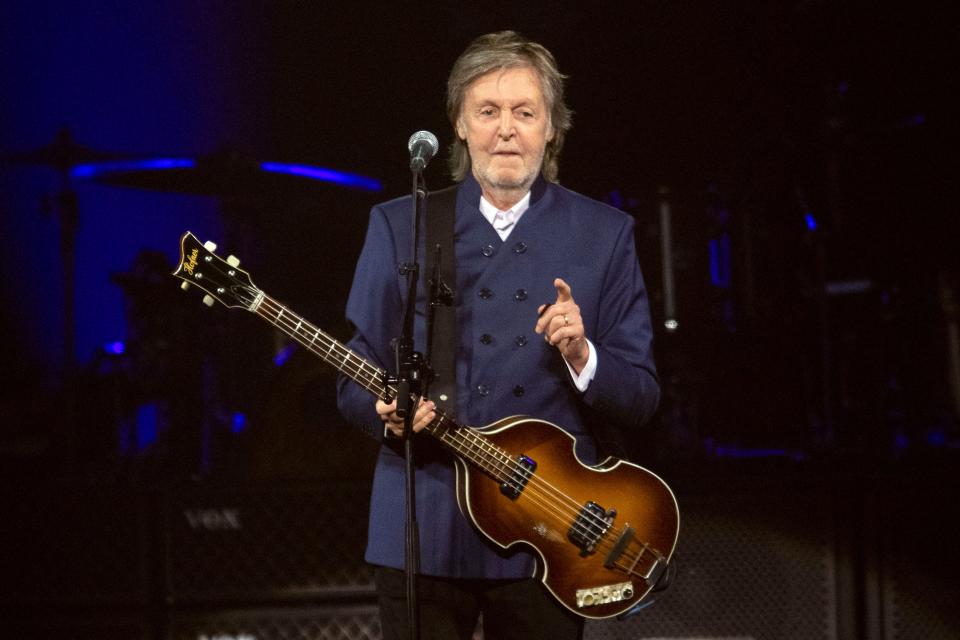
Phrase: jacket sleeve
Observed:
(625, 386)
(373, 309)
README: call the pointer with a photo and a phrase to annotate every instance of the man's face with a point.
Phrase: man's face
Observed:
(506, 126)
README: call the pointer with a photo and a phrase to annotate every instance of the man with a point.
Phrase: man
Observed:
(553, 322)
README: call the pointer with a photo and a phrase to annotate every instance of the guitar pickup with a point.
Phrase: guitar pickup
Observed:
(519, 476)
(590, 525)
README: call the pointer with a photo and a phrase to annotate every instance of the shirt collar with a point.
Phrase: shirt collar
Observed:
(503, 220)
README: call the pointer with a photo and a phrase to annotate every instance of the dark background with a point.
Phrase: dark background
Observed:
(806, 151)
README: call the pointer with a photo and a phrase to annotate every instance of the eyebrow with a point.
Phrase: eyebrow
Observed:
(523, 103)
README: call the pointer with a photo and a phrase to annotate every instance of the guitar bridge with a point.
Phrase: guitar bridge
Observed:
(518, 478)
(589, 527)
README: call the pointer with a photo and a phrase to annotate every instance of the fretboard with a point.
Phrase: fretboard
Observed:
(322, 344)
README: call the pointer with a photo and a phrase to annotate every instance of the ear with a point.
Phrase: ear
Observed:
(461, 129)
(550, 132)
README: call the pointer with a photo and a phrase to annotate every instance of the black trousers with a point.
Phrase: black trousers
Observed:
(449, 608)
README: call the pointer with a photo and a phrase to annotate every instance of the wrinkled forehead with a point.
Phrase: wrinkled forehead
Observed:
(515, 81)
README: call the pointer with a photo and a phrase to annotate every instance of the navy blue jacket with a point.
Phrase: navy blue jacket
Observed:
(503, 367)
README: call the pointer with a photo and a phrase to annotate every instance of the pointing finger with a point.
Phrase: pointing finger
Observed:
(563, 291)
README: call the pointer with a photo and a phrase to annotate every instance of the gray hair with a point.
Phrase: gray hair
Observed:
(507, 50)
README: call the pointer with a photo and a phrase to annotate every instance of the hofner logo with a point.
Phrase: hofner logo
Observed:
(191, 262)
(213, 519)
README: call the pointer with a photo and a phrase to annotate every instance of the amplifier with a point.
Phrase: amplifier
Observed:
(257, 543)
(747, 567)
(92, 625)
(353, 622)
(918, 560)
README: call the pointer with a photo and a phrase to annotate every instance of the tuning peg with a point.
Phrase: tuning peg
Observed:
(210, 245)
(233, 261)
(207, 300)
(184, 285)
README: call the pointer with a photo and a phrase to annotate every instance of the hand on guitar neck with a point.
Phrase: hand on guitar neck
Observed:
(394, 423)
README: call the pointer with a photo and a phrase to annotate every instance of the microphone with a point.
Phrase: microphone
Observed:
(422, 145)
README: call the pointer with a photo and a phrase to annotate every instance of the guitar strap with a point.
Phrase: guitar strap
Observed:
(441, 212)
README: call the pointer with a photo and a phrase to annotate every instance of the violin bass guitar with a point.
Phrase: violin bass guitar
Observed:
(605, 534)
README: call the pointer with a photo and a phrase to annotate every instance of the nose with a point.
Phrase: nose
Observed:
(506, 130)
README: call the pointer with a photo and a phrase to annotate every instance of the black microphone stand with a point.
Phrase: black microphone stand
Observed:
(412, 378)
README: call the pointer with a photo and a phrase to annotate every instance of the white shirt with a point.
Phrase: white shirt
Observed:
(503, 223)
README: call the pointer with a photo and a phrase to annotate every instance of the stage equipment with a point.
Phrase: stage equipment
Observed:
(422, 146)
(670, 322)
(751, 564)
(266, 543)
(64, 154)
(356, 622)
(915, 593)
(413, 370)
(226, 174)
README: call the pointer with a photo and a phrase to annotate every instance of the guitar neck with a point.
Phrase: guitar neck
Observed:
(330, 350)
(469, 444)
(225, 282)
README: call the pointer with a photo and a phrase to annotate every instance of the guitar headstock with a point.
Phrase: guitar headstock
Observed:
(223, 280)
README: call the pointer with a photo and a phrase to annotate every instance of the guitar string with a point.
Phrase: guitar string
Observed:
(372, 381)
(293, 330)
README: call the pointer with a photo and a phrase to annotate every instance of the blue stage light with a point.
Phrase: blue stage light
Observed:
(147, 425)
(284, 354)
(115, 348)
(238, 422)
(327, 175)
(99, 168)
(914, 120)
(720, 267)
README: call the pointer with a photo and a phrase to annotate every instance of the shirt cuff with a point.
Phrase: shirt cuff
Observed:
(582, 381)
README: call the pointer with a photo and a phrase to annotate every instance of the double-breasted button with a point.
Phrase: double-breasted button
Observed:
(520, 247)
(485, 294)
(486, 338)
(520, 295)
(521, 341)
(518, 390)
(488, 250)
(483, 390)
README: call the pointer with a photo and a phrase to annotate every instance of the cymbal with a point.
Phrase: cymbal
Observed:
(222, 174)
(62, 154)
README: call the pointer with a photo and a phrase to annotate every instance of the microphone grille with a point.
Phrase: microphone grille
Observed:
(424, 136)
